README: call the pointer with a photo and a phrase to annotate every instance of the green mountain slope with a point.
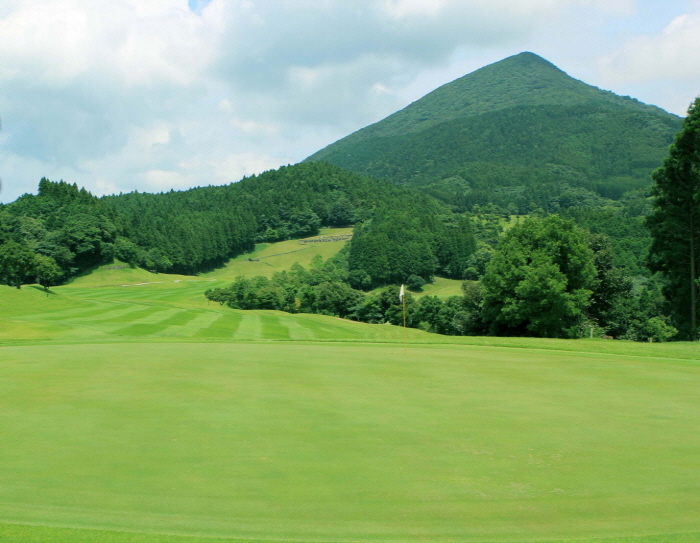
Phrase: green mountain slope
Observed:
(520, 123)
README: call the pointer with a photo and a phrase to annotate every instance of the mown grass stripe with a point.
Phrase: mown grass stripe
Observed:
(150, 324)
(178, 320)
(299, 329)
(331, 330)
(202, 320)
(224, 327)
(134, 314)
(249, 327)
(272, 328)
(99, 311)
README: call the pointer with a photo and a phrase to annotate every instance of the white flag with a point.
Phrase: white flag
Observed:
(401, 293)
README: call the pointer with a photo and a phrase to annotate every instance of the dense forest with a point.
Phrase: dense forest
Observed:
(197, 230)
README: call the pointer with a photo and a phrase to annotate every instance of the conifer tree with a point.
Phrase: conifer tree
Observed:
(675, 224)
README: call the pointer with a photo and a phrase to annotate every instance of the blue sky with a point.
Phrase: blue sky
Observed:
(197, 5)
(127, 94)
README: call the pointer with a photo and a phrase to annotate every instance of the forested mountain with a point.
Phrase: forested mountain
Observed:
(516, 133)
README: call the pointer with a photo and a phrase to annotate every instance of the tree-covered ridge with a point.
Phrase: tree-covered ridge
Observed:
(519, 134)
(395, 245)
(521, 137)
(199, 229)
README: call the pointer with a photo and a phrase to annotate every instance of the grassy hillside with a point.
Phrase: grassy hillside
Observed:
(165, 310)
(441, 287)
(269, 258)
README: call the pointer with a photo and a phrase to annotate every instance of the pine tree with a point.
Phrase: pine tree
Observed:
(675, 224)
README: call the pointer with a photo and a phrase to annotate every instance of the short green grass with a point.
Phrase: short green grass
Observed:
(440, 287)
(145, 414)
(165, 311)
(316, 441)
(120, 273)
(17, 533)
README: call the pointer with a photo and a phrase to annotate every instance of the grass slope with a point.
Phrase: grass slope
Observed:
(440, 287)
(168, 310)
(270, 258)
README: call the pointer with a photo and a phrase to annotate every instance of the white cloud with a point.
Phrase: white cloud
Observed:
(151, 95)
(402, 8)
(251, 127)
(237, 165)
(661, 68)
(671, 53)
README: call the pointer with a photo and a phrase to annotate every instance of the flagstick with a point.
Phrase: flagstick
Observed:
(402, 297)
(404, 326)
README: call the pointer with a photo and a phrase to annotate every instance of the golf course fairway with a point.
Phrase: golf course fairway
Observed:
(318, 441)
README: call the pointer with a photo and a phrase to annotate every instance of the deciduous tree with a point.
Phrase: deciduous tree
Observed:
(540, 280)
(16, 263)
(47, 271)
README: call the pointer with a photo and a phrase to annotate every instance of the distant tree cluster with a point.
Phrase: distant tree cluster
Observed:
(398, 244)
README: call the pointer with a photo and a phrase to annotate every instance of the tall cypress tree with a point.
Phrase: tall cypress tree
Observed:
(675, 224)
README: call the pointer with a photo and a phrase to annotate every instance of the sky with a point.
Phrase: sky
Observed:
(153, 95)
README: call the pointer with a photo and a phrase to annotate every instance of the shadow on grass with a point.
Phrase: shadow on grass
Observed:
(47, 292)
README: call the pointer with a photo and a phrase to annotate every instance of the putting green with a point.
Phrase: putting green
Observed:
(348, 442)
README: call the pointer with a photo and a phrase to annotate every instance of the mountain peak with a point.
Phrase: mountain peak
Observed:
(525, 79)
(527, 58)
